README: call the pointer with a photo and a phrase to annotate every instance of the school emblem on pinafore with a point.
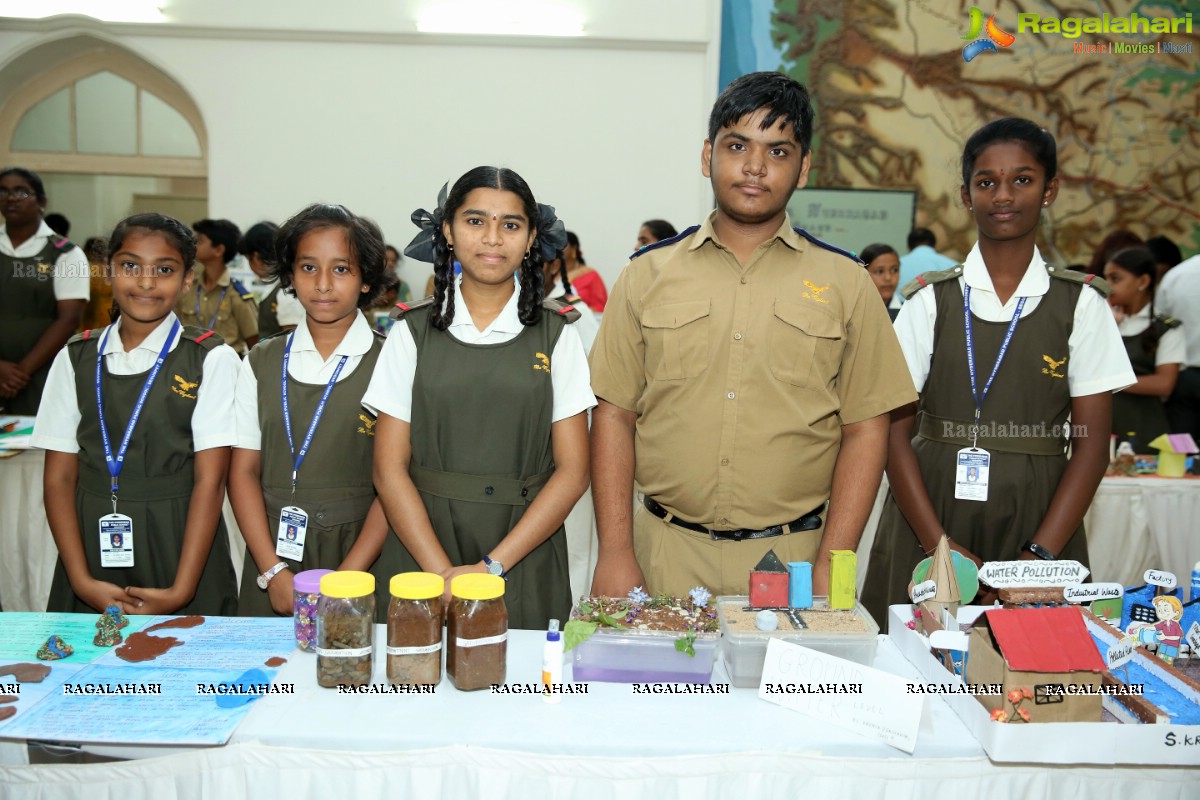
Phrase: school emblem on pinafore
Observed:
(545, 365)
(1052, 370)
(368, 425)
(184, 388)
(814, 292)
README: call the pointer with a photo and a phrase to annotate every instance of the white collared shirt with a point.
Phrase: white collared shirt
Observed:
(288, 310)
(1097, 354)
(58, 417)
(1179, 296)
(72, 273)
(1172, 345)
(304, 365)
(587, 326)
(391, 386)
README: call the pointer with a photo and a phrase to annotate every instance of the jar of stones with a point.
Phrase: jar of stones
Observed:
(345, 629)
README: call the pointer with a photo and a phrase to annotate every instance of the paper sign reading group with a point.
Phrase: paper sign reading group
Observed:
(881, 707)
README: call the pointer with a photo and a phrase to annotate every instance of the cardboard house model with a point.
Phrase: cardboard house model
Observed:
(1041, 649)
(1173, 450)
(946, 596)
(769, 583)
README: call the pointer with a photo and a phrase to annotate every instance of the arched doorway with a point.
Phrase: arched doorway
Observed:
(109, 132)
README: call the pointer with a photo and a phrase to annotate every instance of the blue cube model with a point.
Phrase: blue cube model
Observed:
(799, 584)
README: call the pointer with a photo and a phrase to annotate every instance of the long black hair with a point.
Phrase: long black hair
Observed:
(532, 284)
(1139, 261)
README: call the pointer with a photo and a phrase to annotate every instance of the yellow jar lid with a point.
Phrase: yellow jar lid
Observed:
(417, 585)
(347, 584)
(477, 586)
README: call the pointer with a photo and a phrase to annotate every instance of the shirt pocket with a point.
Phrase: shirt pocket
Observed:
(806, 345)
(677, 337)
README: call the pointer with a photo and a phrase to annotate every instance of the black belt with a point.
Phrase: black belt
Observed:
(809, 522)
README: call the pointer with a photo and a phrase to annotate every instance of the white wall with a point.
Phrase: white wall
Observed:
(362, 111)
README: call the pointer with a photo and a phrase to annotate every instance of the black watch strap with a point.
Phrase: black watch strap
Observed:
(1038, 550)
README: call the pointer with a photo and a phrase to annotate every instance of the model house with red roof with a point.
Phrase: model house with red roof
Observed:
(1045, 650)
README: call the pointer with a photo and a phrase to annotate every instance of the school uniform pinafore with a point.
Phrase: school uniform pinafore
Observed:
(28, 307)
(157, 478)
(1142, 414)
(481, 452)
(1024, 418)
(335, 486)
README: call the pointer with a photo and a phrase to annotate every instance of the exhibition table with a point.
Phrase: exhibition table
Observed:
(610, 742)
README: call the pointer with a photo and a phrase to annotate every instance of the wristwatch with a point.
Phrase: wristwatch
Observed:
(265, 578)
(1039, 551)
(494, 567)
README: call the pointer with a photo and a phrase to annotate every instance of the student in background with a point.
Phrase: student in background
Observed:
(310, 503)
(219, 302)
(883, 265)
(1178, 296)
(44, 287)
(394, 260)
(278, 310)
(1166, 254)
(1046, 336)
(654, 230)
(922, 256)
(586, 281)
(164, 549)
(1154, 342)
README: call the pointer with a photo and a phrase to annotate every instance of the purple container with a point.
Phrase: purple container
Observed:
(306, 590)
(636, 656)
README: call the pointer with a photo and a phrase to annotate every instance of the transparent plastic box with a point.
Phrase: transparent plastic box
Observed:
(745, 650)
(636, 656)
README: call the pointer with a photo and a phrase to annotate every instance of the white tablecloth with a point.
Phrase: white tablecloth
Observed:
(1133, 524)
(27, 551)
(607, 744)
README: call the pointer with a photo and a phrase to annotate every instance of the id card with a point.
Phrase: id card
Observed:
(116, 541)
(971, 476)
(293, 524)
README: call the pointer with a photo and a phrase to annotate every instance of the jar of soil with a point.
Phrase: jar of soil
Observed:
(476, 631)
(414, 627)
(345, 629)
(306, 591)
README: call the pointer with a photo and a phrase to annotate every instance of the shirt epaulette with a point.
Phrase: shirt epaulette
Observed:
(400, 309)
(664, 242)
(241, 289)
(206, 339)
(927, 279)
(1170, 323)
(827, 245)
(82, 336)
(1086, 278)
(563, 309)
(63, 244)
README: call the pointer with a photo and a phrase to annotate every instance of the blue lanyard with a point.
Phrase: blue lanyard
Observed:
(115, 464)
(212, 323)
(1012, 326)
(298, 458)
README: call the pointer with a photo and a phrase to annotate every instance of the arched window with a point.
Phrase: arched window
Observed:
(103, 112)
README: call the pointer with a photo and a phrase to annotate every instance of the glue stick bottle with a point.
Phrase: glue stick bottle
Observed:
(552, 662)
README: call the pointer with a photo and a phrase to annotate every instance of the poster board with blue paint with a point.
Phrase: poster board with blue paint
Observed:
(854, 218)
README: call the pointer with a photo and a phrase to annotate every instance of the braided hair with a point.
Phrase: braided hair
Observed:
(532, 286)
(1139, 261)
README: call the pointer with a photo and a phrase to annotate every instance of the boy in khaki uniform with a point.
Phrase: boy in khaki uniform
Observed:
(744, 371)
(219, 302)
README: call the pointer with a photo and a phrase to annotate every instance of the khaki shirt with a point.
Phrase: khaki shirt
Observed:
(237, 315)
(741, 377)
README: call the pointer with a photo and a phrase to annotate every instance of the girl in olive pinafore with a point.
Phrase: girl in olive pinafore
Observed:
(481, 425)
(333, 261)
(1063, 341)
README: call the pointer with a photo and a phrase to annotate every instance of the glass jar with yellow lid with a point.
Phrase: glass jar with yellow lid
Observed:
(345, 629)
(476, 631)
(414, 628)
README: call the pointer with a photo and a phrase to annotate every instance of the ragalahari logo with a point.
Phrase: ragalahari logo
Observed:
(986, 44)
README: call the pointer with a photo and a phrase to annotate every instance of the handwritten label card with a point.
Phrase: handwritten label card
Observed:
(860, 699)
(923, 591)
(1193, 638)
(1039, 574)
(1158, 577)
(1091, 592)
(1119, 653)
